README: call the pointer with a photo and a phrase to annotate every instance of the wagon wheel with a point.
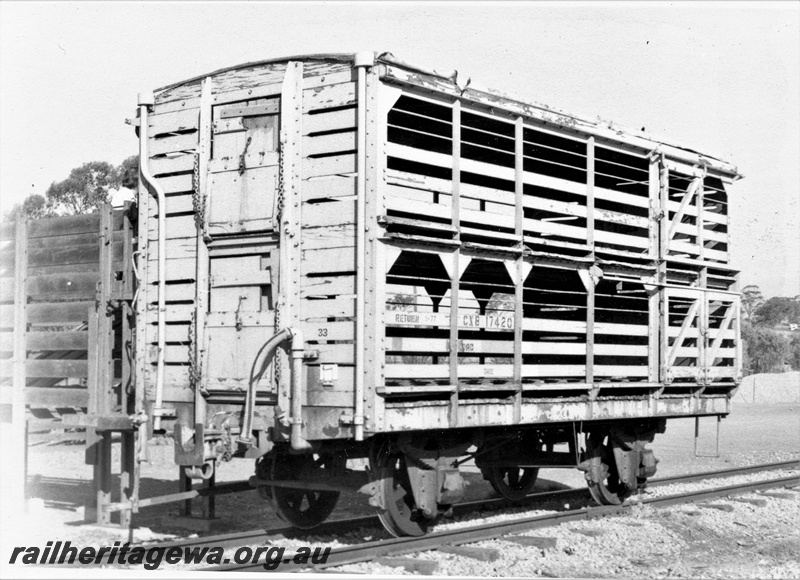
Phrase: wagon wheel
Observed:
(602, 477)
(513, 483)
(302, 508)
(508, 481)
(400, 515)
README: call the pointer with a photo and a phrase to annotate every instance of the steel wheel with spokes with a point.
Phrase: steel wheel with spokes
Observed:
(602, 477)
(513, 483)
(399, 515)
(302, 508)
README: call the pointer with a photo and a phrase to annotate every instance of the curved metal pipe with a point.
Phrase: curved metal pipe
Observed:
(250, 399)
(147, 100)
(298, 350)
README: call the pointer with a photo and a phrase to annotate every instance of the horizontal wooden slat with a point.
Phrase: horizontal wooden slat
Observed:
(620, 197)
(329, 143)
(49, 396)
(329, 237)
(442, 371)
(175, 121)
(685, 372)
(251, 161)
(53, 313)
(328, 97)
(333, 165)
(174, 333)
(177, 183)
(330, 121)
(174, 312)
(328, 260)
(177, 227)
(547, 325)
(173, 143)
(242, 278)
(181, 163)
(421, 208)
(61, 226)
(327, 285)
(59, 313)
(323, 330)
(62, 340)
(556, 229)
(332, 213)
(177, 269)
(73, 284)
(340, 307)
(334, 186)
(619, 371)
(177, 248)
(174, 203)
(506, 347)
(263, 318)
(335, 353)
(48, 368)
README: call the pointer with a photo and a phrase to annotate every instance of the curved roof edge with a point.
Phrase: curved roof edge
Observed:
(336, 56)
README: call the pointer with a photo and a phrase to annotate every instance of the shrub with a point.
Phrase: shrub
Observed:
(765, 351)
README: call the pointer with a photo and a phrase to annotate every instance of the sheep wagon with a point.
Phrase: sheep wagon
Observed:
(347, 256)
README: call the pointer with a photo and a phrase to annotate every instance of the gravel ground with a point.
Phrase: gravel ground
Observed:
(753, 433)
(679, 542)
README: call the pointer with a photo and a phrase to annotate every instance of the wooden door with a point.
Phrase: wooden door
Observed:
(244, 167)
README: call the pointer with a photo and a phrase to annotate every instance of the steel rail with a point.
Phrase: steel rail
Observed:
(396, 546)
(334, 527)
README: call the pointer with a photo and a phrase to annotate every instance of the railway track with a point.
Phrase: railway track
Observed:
(409, 545)
(368, 551)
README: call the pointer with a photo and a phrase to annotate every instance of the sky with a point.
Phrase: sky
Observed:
(719, 77)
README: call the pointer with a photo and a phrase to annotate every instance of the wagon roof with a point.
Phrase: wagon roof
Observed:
(447, 82)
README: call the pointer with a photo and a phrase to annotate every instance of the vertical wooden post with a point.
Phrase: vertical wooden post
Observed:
(185, 484)
(374, 333)
(201, 251)
(455, 282)
(209, 506)
(519, 168)
(100, 378)
(702, 328)
(654, 292)
(17, 495)
(700, 201)
(663, 251)
(590, 287)
(128, 441)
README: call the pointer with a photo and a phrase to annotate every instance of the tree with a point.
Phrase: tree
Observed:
(794, 352)
(765, 350)
(751, 300)
(86, 188)
(128, 172)
(777, 310)
(33, 207)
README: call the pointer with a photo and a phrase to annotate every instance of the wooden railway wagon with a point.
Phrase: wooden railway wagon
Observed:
(347, 256)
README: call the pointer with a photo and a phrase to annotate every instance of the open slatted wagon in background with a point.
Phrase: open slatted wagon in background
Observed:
(347, 256)
(65, 334)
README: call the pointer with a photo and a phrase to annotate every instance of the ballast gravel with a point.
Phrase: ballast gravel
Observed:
(687, 541)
